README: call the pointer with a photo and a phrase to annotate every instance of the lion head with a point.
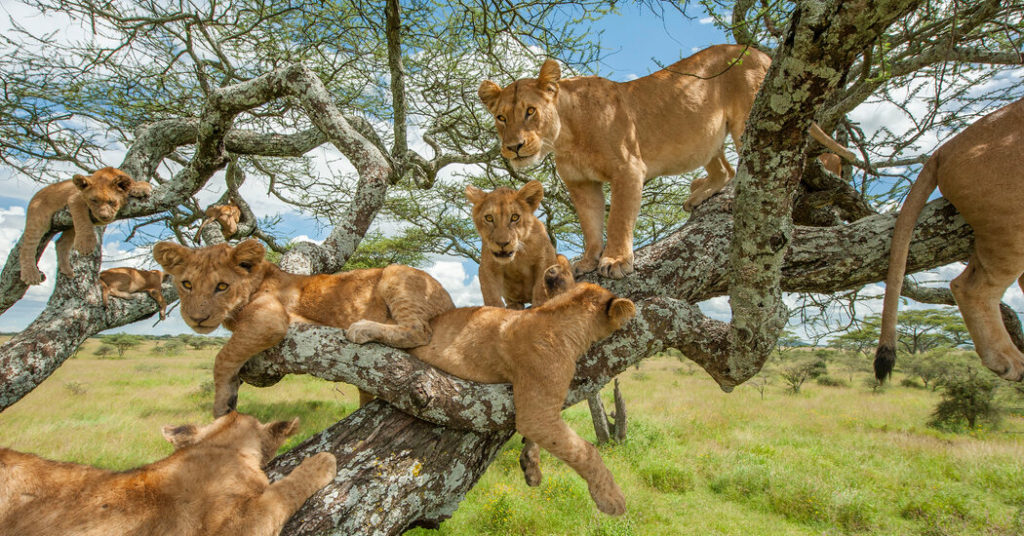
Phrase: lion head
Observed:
(525, 115)
(504, 217)
(213, 282)
(605, 311)
(236, 431)
(105, 191)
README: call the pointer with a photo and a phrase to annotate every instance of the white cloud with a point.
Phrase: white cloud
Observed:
(707, 20)
(463, 288)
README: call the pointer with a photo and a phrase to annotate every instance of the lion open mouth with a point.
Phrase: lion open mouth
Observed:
(504, 254)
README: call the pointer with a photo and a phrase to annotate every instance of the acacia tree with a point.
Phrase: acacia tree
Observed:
(227, 80)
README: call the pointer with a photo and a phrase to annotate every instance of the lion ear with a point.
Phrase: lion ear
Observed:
(550, 73)
(81, 181)
(620, 310)
(489, 93)
(474, 194)
(283, 429)
(248, 254)
(532, 193)
(123, 182)
(171, 255)
(180, 436)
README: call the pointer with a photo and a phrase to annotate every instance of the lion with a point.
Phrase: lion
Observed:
(669, 122)
(122, 282)
(256, 301)
(515, 249)
(212, 485)
(536, 350)
(98, 196)
(227, 216)
(981, 172)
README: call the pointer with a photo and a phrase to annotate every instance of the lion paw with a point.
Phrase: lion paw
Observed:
(1009, 365)
(615, 267)
(529, 461)
(362, 331)
(584, 266)
(609, 499)
(32, 277)
(322, 468)
(85, 243)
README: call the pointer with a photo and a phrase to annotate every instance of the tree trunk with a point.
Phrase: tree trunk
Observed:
(599, 418)
(620, 414)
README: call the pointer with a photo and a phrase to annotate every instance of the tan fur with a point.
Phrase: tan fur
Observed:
(226, 216)
(665, 123)
(258, 300)
(122, 282)
(981, 172)
(515, 248)
(536, 351)
(212, 485)
(98, 196)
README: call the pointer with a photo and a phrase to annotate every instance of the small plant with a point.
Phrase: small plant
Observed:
(967, 400)
(829, 381)
(911, 383)
(76, 388)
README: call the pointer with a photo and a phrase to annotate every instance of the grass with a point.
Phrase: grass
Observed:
(832, 460)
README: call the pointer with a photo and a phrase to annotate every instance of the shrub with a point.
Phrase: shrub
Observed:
(967, 400)
(104, 350)
(829, 381)
(911, 383)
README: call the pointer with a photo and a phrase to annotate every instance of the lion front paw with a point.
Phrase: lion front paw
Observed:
(32, 277)
(85, 243)
(609, 499)
(615, 267)
(322, 468)
(584, 266)
(529, 461)
(363, 331)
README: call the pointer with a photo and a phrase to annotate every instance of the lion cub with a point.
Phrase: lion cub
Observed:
(122, 282)
(98, 196)
(536, 351)
(256, 301)
(227, 216)
(212, 485)
(514, 246)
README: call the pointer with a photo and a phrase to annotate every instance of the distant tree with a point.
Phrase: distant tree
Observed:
(862, 339)
(933, 366)
(103, 350)
(967, 399)
(921, 330)
(198, 342)
(122, 342)
(798, 371)
(169, 347)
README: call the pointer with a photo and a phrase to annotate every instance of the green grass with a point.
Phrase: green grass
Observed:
(832, 460)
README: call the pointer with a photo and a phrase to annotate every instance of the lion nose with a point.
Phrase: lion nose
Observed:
(502, 244)
(198, 321)
(515, 148)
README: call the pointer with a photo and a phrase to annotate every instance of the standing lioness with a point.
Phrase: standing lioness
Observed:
(256, 300)
(669, 122)
(212, 485)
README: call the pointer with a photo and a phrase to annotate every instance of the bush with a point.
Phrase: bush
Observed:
(911, 383)
(829, 381)
(967, 400)
(104, 350)
(169, 348)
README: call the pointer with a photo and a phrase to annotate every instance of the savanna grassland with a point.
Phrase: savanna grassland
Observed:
(829, 460)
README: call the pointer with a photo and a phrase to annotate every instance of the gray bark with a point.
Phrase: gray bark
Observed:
(599, 418)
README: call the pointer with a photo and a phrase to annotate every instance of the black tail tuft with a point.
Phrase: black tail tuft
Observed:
(885, 359)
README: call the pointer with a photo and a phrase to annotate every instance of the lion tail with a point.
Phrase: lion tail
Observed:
(199, 232)
(833, 145)
(927, 181)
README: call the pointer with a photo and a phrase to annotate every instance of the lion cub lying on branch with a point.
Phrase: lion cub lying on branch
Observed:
(256, 301)
(122, 282)
(212, 485)
(100, 196)
(536, 351)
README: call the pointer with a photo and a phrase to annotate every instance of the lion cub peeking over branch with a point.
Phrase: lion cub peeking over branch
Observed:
(669, 122)
(212, 485)
(256, 301)
(98, 196)
(536, 351)
(122, 282)
(515, 249)
(227, 216)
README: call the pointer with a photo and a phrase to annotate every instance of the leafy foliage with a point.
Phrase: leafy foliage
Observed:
(967, 402)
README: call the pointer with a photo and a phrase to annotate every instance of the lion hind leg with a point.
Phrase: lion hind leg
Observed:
(978, 291)
(412, 298)
(538, 419)
(719, 174)
(64, 243)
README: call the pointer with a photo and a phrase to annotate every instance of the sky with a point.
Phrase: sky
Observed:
(635, 43)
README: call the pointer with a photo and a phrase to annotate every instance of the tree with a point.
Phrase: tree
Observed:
(967, 399)
(251, 87)
(797, 371)
(122, 342)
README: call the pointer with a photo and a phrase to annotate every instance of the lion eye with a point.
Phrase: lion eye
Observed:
(530, 111)
(222, 286)
(500, 118)
(515, 217)
(489, 218)
(187, 284)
